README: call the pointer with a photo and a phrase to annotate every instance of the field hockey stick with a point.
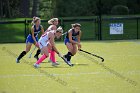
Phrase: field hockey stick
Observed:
(30, 55)
(64, 33)
(92, 54)
(66, 61)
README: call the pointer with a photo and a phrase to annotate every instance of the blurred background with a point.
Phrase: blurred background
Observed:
(100, 19)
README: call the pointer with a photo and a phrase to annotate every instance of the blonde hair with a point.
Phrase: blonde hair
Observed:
(32, 23)
(75, 25)
(52, 20)
(59, 29)
(35, 19)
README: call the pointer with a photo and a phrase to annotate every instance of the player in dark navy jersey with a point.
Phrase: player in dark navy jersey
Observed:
(32, 38)
(71, 40)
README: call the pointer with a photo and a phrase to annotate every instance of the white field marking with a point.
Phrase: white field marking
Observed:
(68, 74)
(123, 55)
(21, 75)
(127, 55)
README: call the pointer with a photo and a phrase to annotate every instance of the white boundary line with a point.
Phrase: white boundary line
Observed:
(68, 74)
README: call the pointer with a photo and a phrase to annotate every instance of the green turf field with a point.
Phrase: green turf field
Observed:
(120, 73)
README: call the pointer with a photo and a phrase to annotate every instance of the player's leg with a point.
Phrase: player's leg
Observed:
(53, 60)
(38, 51)
(37, 54)
(44, 46)
(23, 53)
(70, 50)
(74, 49)
(45, 52)
(52, 56)
(29, 42)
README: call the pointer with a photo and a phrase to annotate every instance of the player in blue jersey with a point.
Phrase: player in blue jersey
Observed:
(32, 38)
(72, 40)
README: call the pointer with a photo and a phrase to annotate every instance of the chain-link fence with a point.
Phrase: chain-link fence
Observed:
(112, 28)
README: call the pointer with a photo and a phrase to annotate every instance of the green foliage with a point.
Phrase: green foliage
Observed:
(45, 9)
(75, 8)
(120, 10)
(134, 6)
(65, 8)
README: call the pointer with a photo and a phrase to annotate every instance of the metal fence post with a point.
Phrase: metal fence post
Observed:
(95, 28)
(25, 29)
(62, 25)
(100, 21)
(137, 28)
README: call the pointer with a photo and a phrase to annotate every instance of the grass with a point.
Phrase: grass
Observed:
(12, 32)
(120, 73)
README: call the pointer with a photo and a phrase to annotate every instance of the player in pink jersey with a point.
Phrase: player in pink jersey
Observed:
(46, 42)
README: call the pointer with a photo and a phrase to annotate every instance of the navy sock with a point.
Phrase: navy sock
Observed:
(37, 52)
(23, 53)
(68, 56)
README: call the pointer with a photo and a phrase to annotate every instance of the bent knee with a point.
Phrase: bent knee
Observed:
(27, 50)
(46, 54)
(73, 53)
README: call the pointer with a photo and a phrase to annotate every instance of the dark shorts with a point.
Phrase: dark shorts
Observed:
(66, 40)
(30, 39)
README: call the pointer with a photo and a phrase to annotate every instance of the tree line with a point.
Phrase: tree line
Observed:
(66, 8)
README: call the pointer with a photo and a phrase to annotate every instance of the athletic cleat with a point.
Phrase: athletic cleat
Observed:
(36, 65)
(65, 60)
(36, 57)
(72, 64)
(55, 63)
(69, 63)
(17, 61)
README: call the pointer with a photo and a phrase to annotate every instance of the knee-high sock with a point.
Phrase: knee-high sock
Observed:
(23, 53)
(37, 52)
(52, 56)
(68, 56)
(41, 59)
